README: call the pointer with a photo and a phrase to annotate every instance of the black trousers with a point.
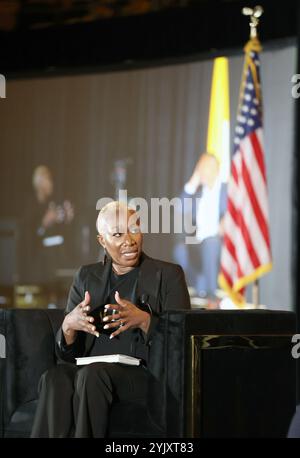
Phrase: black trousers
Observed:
(75, 401)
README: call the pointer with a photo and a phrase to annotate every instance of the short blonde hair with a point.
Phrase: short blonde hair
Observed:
(115, 206)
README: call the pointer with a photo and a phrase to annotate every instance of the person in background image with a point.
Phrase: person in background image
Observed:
(201, 260)
(52, 213)
(48, 225)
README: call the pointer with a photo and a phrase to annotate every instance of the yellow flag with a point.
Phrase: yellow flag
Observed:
(218, 135)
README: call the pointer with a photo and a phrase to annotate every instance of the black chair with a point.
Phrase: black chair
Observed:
(213, 374)
(29, 341)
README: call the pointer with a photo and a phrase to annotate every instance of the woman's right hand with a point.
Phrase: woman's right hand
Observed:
(78, 320)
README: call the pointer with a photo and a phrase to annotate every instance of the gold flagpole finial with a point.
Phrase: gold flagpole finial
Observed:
(255, 15)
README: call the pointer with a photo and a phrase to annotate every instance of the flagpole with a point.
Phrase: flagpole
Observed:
(255, 294)
(246, 251)
(255, 15)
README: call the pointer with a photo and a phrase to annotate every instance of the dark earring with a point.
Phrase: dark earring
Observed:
(106, 256)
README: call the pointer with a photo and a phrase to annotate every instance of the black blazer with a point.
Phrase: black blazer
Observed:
(163, 284)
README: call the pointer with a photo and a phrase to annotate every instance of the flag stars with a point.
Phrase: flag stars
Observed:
(240, 130)
(250, 86)
(247, 97)
(256, 102)
(250, 122)
(245, 109)
(242, 119)
(253, 111)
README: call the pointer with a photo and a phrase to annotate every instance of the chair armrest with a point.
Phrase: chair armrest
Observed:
(30, 350)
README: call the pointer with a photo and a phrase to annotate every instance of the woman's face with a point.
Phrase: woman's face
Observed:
(122, 237)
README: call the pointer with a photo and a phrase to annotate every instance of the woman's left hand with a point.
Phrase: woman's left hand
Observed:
(127, 316)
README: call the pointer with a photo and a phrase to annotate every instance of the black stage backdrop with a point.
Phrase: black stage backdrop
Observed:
(205, 27)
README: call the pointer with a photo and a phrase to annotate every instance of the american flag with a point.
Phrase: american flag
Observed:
(246, 251)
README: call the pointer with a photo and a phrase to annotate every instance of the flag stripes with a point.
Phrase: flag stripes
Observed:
(246, 251)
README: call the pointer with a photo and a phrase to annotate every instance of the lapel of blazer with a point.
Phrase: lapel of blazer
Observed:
(98, 289)
(98, 284)
(149, 282)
